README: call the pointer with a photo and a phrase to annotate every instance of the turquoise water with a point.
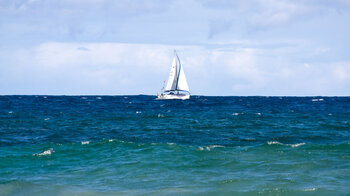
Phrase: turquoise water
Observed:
(135, 145)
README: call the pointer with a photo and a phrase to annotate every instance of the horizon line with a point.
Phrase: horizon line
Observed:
(77, 95)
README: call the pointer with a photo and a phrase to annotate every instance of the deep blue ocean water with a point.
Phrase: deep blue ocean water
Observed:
(136, 145)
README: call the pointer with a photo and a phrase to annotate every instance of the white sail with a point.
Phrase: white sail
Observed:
(172, 80)
(182, 82)
(177, 87)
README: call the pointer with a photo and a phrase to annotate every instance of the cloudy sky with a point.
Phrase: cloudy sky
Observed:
(117, 47)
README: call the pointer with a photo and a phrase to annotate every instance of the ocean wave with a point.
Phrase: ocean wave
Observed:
(46, 152)
(208, 148)
(291, 145)
(309, 189)
(85, 142)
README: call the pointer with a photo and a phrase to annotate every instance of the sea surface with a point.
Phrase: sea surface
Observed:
(136, 145)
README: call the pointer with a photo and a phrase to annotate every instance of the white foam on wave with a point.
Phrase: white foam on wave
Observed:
(85, 142)
(138, 112)
(310, 189)
(235, 114)
(160, 115)
(171, 144)
(259, 114)
(317, 99)
(10, 112)
(273, 142)
(208, 148)
(296, 145)
(291, 145)
(111, 140)
(46, 152)
(47, 119)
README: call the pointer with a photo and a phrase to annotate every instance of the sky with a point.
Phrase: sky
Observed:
(125, 47)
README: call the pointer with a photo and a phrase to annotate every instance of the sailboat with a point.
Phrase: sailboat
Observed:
(177, 87)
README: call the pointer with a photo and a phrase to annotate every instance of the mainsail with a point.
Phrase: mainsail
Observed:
(172, 81)
(177, 79)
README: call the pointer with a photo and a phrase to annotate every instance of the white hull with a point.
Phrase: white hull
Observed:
(173, 96)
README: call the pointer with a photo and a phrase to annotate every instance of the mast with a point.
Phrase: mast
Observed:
(181, 83)
(177, 80)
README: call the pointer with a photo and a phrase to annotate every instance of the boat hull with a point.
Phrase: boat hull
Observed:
(173, 96)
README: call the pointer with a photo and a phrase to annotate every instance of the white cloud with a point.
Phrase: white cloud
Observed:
(342, 71)
(116, 68)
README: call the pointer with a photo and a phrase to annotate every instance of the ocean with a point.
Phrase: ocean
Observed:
(136, 145)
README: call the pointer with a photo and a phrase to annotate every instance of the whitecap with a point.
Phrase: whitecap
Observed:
(44, 97)
(98, 98)
(138, 112)
(208, 148)
(291, 145)
(273, 142)
(111, 140)
(171, 144)
(160, 115)
(235, 114)
(83, 97)
(310, 189)
(296, 145)
(317, 99)
(85, 142)
(258, 113)
(10, 112)
(46, 152)
(47, 119)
